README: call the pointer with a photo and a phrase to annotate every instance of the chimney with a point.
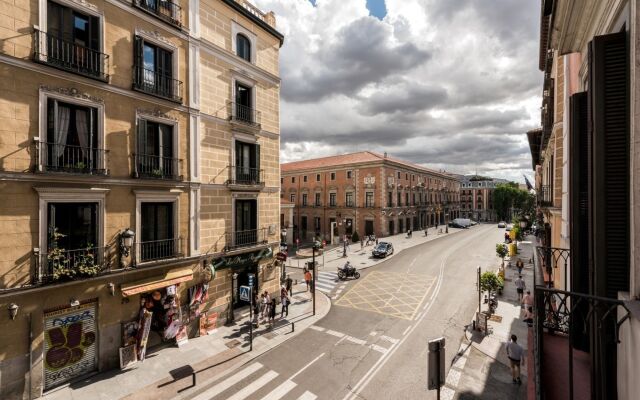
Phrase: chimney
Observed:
(385, 154)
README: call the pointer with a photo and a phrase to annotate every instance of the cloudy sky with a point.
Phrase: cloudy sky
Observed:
(447, 84)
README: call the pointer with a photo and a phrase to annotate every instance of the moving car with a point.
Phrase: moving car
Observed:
(502, 224)
(509, 227)
(383, 249)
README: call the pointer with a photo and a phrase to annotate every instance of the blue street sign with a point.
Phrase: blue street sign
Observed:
(245, 293)
(252, 279)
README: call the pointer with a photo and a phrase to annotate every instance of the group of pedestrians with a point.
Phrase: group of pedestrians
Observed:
(514, 350)
(265, 306)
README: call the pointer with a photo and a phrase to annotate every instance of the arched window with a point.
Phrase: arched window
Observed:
(243, 47)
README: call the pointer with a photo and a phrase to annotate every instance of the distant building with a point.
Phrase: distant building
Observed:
(476, 197)
(367, 193)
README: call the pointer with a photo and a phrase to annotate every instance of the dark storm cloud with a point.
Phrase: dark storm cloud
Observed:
(363, 53)
(408, 98)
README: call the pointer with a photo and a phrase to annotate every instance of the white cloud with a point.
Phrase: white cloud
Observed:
(447, 84)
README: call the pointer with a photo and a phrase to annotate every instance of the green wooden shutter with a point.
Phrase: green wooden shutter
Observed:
(258, 175)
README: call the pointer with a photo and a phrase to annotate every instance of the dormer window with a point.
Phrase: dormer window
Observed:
(243, 47)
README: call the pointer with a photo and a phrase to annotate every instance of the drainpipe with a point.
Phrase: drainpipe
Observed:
(30, 358)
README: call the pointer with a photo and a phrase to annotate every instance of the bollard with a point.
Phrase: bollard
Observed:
(293, 327)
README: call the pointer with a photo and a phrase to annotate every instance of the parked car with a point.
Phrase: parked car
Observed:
(382, 250)
(456, 224)
(473, 223)
(502, 224)
(509, 227)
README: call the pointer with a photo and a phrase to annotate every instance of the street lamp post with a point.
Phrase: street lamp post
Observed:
(315, 272)
(283, 234)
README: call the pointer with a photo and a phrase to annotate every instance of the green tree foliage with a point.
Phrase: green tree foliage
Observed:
(501, 250)
(355, 237)
(508, 195)
(490, 282)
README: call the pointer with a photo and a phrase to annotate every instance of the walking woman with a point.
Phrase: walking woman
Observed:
(272, 312)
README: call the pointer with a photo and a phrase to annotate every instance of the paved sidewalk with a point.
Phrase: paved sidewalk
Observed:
(481, 370)
(361, 258)
(168, 372)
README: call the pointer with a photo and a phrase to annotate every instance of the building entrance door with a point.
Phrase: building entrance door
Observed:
(391, 228)
(368, 227)
(242, 279)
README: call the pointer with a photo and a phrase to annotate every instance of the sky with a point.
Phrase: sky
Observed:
(450, 85)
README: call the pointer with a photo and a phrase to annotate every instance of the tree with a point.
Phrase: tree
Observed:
(355, 237)
(490, 282)
(509, 195)
(501, 251)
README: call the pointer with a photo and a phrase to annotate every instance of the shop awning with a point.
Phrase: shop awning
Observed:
(171, 277)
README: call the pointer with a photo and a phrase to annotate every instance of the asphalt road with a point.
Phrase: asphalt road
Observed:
(373, 342)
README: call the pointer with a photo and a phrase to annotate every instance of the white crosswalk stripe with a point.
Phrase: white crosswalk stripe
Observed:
(280, 391)
(253, 386)
(229, 382)
(327, 281)
(307, 396)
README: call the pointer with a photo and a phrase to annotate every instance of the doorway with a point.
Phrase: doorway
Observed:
(391, 228)
(242, 279)
(368, 227)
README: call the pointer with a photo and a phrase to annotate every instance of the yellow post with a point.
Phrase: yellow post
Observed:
(513, 249)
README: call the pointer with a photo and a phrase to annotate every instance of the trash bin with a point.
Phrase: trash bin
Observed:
(513, 249)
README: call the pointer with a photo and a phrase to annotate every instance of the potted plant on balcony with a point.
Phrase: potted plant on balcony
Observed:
(83, 264)
(157, 173)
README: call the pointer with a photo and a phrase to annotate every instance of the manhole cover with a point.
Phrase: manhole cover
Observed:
(495, 318)
(232, 343)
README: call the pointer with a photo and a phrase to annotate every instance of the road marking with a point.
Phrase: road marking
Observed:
(453, 378)
(317, 328)
(227, 383)
(364, 381)
(377, 348)
(306, 366)
(253, 386)
(307, 396)
(279, 392)
(447, 394)
(426, 305)
(373, 333)
(389, 339)
(338, 342)
(356, 340)
(460, 362)
(417, 317)
(406, 330)
(334, 333)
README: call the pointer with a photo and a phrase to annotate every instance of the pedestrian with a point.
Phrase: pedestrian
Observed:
(527, 304)
(289, 285)
(284, 300)
(520, 287)
(307, 279)
(361, 243)
(519, 265)
(515, 353)
(376, 241)
(506, 237)
(256, 308)
(263, 307)
(272, 312)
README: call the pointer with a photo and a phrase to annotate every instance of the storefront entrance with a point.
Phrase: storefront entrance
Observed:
(391, 228)
(368, 227)
(242, 279)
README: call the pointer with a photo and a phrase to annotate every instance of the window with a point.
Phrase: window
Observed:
(317, 177)
(304, 179)
(154, 72)
(317, 224)
(166, 10)
(406, 199)
(155, 151)
(157, 239)
(413, 177)
(348, 174)
(349, 227)
(413, 199)
(243, 110)
(304, 199)
(72, 139)
(293, 179)
(349, 199)
(368, 199)
(246, 223)
(398, 199)
(303, 225)
(282, 181)
(292, 198)
(406, 176)
(333, 176)
(246, 170)
(243, 47)
(76, 225)
(390, 199)
(332, 199)
(318, 203)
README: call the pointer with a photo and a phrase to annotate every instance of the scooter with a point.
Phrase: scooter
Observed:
(348, 271)
(492, 301)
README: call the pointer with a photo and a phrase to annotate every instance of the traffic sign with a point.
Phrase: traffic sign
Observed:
(281, 256)
(245, 293)
(252, 279)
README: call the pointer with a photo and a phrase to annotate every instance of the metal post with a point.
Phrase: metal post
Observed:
(438, 375)
(315, 270)
(479, 298)
(250, 319)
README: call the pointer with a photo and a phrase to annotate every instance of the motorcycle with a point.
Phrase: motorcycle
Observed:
(348, 271)
(492, 301)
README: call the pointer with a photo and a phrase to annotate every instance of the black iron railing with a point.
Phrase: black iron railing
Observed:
(58, 264)
(151, 166)
(246, 238)
(157, 84)
(551, 262)
(77, 159)
(244, 114)
(158, 249)
(66, 55)
(545, 196)
(240, 175)
(165, 10)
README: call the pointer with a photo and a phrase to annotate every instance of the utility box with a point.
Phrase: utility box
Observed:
(435, 365)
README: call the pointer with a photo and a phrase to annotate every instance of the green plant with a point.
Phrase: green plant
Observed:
(156, 172)
(81, 165)
(355, 237)
(491, 282)
(63, 268)
(501, 250)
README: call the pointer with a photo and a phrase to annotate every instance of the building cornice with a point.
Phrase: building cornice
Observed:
(268, 28)
(88, 180)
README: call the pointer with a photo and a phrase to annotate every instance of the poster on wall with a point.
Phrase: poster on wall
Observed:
(128, 356)
(129, 333)
(143, 333)
(69, 343)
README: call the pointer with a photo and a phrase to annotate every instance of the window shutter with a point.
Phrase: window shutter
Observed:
(257, 157)
(138, 64)
(610, 102)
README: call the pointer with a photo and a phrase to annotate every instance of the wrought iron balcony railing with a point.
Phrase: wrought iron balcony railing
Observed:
(163, 9)
(245, 115)
(545, 196)
(157, 84)
(551, 263)
(58, 265)
(151, 166)
(239, 175)
(75, 159)
(66, 55)
(155, 250)
(246, 238)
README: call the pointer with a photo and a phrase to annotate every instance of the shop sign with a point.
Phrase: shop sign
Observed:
(242, 260)
(70, 343)
(281, 256)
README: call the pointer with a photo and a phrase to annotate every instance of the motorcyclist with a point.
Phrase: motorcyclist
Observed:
(348, 268)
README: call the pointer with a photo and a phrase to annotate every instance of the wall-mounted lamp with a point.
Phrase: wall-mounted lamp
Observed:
(13, 310)
(112, 288)
(74, 302)
(126, 243)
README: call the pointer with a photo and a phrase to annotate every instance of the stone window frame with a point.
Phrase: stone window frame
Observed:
(156, 196)
(237, 29)
(304, 178)
(74, 97)
(245, 81)
(158, 40)
(161, 119)
(332, 176)
(246, 196)
(292, 198)
(317, 177)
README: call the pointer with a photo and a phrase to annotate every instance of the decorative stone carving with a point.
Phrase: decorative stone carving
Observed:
(71, 92)
(87, 5)
(155, 113)
(155, 35)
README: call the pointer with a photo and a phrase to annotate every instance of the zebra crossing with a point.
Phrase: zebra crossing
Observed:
(252, 382)
(328, 281)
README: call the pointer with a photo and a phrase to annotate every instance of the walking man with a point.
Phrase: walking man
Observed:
(307, 279)
(514, 353)
(519, 265)
(520, 287)
(285, 306)
(272, 312)
(527, 303)
(289, 284)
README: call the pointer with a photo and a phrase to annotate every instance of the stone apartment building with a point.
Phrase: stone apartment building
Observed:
(365, 192)
(476, 197)
(586, 327)
(119, 128)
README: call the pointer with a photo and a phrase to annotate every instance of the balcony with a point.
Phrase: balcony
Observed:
(69, 56)
(553, 264)
(245, 178)
(156, 167)
(244, 115)
(71, 159)
(156, 84)
(545, 196)
(60, 265)
(167, 11)
(245, 239)
(156, 250)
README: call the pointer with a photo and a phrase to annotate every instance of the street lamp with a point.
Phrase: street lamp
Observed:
(344, 240)
(126, 243)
